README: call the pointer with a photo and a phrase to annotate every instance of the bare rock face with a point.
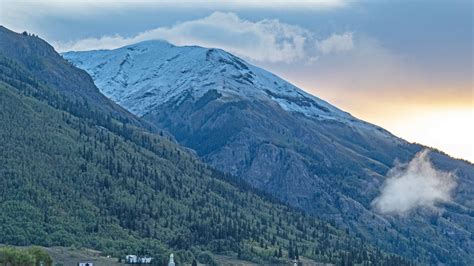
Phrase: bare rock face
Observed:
(250, 123)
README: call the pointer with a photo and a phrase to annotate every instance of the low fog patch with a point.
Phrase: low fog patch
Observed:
(416, 184)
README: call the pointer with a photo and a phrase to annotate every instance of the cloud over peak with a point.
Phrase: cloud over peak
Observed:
(267, 40)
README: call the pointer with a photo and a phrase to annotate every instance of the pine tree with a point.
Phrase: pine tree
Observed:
(290, 252)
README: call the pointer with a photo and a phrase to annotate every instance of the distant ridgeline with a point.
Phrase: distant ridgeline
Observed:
(78, 170)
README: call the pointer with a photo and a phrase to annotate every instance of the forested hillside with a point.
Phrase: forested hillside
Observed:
(42, 61)
(72, 174)
(248, 122)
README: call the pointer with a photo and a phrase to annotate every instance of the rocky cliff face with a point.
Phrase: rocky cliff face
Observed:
(256, 126)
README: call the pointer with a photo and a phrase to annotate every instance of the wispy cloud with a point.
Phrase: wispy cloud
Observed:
(414, 185)
(276, 4)
(266, 40)
(336, 43)
(84, 5)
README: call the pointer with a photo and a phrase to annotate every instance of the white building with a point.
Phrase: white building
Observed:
(131, 259)
(85, 263)
(145, 260)
(134, 259)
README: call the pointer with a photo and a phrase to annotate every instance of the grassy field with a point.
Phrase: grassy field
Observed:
(68, 256)
(71, 256)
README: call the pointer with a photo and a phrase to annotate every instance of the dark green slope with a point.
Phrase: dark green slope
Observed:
(73, 175)
(48, 67)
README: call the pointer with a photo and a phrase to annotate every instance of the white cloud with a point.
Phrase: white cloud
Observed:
(415, 185)
(336, 43)
(279, 4)
(87, 6)
(266, 40)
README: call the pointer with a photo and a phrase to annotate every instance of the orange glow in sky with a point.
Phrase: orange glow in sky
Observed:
(445, 122)
(450, 130)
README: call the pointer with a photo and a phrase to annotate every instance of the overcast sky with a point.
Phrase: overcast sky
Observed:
(404, 65)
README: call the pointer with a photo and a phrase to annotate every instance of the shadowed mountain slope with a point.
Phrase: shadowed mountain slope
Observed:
(248, 122)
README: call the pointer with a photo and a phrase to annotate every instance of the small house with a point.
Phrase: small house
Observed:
(134, 259)
(131, 259)
(145, 260)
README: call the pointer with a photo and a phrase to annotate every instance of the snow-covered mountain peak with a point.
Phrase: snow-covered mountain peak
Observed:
(148, 74)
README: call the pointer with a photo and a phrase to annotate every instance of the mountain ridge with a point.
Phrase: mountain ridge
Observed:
(250, 123)
(73, 174)
(37, 55)
(214, 55)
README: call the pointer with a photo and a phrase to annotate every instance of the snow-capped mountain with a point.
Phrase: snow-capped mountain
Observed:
(142, 76)
(248, 122)
(150, 73)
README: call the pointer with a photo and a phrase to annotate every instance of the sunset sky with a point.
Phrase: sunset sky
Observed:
(404, 65)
